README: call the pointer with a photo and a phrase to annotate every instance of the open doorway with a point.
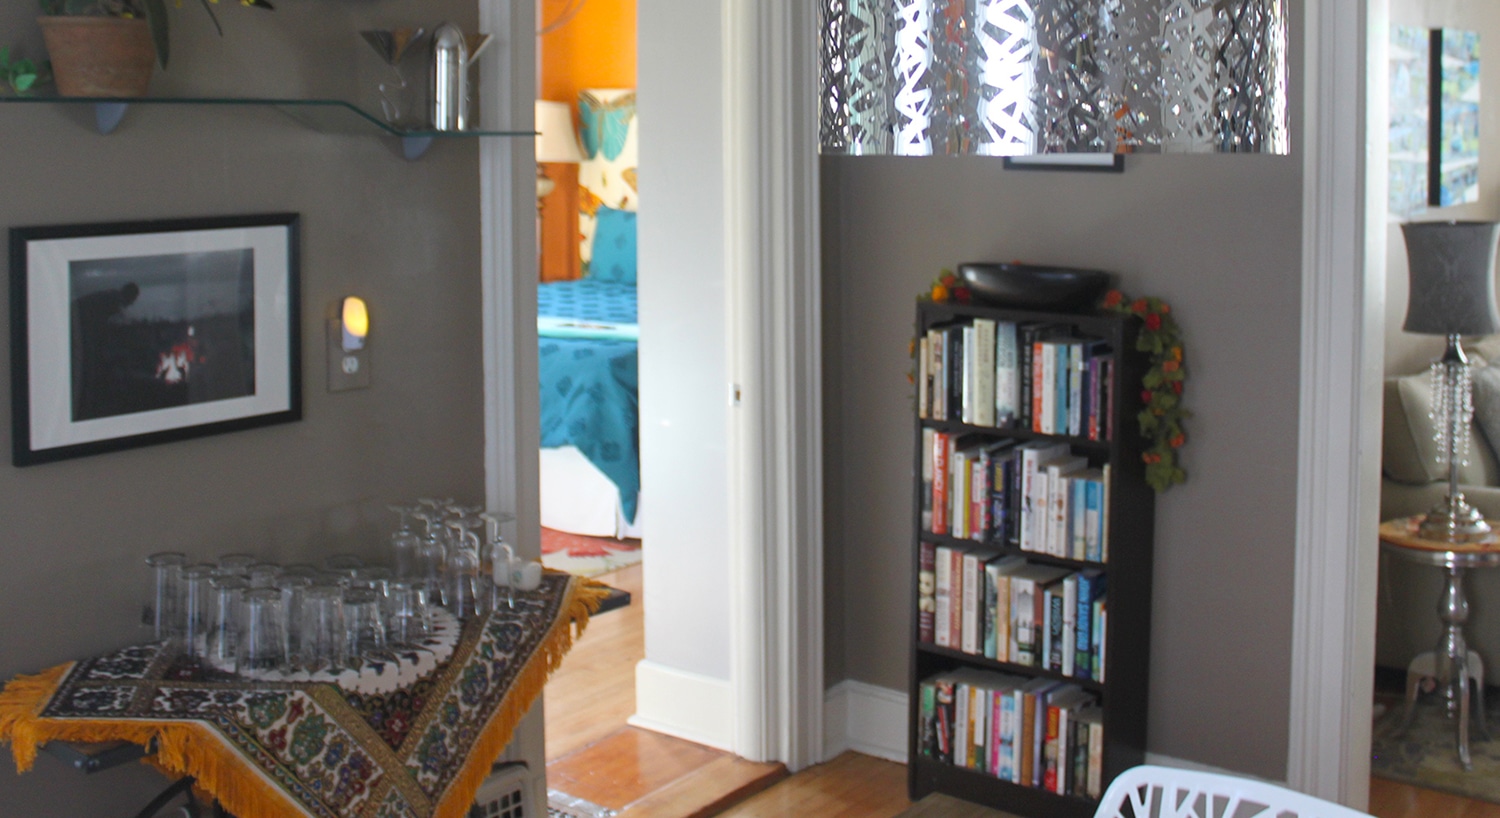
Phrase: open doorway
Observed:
(1431, 93)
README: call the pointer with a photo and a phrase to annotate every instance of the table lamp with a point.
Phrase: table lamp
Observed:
(1452, 268)
(555, 141)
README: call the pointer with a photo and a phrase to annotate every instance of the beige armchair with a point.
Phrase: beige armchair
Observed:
(1412, 482)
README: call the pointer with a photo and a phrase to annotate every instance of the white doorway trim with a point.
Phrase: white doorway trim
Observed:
(1339, 430)
(776, 483)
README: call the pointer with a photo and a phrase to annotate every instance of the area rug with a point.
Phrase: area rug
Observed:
(587, 556)
(1427, 754)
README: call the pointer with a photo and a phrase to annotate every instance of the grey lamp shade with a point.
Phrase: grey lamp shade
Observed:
(1452, 278)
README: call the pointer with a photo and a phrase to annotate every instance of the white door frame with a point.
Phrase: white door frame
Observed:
(776, 452)
(1338, 457)
(772, 266)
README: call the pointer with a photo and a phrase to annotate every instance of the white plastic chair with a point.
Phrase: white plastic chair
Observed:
(1149, 791)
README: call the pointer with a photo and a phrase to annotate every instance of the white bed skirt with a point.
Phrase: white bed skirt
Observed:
(579, 499)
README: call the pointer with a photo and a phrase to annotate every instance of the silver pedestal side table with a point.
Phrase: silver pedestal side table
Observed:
(1452, 664)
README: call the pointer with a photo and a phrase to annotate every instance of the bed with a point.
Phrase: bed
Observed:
(587, 340)
(590, 459)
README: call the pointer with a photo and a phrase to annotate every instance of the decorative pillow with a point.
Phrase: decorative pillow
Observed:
(614, 246)
(1487, 405)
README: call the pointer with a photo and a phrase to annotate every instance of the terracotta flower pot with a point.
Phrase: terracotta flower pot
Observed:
(99, 56)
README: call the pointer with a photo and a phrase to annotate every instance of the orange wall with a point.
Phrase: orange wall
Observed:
(596, 49)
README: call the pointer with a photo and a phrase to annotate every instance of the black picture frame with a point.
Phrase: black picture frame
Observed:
(131, 334)
(1069, 162)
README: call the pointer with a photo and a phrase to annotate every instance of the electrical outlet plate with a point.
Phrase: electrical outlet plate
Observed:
(346, 370)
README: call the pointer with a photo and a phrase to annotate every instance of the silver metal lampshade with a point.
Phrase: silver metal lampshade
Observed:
(1020, 77)
(1452, 294)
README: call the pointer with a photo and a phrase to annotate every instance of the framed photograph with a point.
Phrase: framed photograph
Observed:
(1095, 162)
(133, 334)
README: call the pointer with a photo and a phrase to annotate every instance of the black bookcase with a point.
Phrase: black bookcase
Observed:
(1131, 506)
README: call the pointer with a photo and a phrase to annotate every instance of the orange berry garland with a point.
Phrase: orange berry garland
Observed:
(1161, 415)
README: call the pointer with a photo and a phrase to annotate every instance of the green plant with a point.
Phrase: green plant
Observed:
(1161, 387)
(21, 74)
(153, 11)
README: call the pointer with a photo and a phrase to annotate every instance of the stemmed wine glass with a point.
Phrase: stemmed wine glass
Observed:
(463, 567)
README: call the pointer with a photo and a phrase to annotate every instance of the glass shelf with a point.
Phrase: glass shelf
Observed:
(332, 116)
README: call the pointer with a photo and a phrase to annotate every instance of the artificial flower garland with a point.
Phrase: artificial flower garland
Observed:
(1161, 415)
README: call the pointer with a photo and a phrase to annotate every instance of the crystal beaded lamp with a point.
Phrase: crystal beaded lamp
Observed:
(1452, 274)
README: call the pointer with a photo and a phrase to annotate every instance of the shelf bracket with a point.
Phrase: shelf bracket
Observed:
(412, 147)
(107, 116)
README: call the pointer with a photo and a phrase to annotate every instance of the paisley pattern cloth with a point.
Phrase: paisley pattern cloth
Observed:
(282, 749)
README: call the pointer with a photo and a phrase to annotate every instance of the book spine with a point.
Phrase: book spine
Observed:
(945, 706)
(1026, 376)
(1063, 365)
(990, 610)
(972, 584)
(1039, 740)
(927, 438)
(923, 410)
(1054, 635)
(1093, 496)
(1023, 621)
(1096, 760)
(969, 388)
(984, 372)
(940, 353)
(979, 725)
(927, 591)
(1083, 615)
(1101, 642)
(1078, 744)
(1076, 366)
(1094, 392)
(1013, 501)
(961, 724)
(958, 486)
(994, 759)
(927, 719)
(1027, 735)
(982, 488)
(1077, 518)
(1108, 377)
(1104, 515)
(940, 444)
(1006, 768)
(1064, 754)
(1058, 490)
(956, 355)
(933, 367)
(1000, 615)
(1049, 751)
(942, 605)
(1067, 645)
(1006, 381)
(1029, 478)
(956, 610)
(1045, 404)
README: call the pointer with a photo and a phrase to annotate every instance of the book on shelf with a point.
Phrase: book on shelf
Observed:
(1090, 591)
(942, 606)
(1035, 455)
(923, 407)
(938, 455)
(928, 435)
(1007, 380)
(971, 630)
(926, 591)
(1055, 526)
(1027, 619)
(1091, 721)
(997, 606)
(985, 340)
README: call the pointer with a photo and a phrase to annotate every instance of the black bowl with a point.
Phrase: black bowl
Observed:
(1032, 286)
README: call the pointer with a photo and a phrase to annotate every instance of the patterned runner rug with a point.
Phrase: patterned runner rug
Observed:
(351, 748)
(1427, 755)
(587, 556)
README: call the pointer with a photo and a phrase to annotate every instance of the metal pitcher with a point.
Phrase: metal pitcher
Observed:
(450, 79)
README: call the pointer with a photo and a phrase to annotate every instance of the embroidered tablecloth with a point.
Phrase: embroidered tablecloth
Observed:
(264, 749)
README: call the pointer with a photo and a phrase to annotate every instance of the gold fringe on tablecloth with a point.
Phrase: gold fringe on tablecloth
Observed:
(188, 748)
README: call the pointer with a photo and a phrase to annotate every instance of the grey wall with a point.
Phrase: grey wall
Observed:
(1219, 237)
(405, 236)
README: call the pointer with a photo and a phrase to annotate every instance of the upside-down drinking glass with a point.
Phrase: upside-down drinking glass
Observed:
(263, 643)
(166, 600)
(366, 630)
(199, 614)
(323, 634)
(224, 628)
(409, 621)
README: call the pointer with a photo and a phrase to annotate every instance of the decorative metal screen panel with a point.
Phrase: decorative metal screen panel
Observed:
(1018, 77)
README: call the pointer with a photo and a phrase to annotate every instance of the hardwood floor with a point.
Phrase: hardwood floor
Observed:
(593, 693)
(592, 754)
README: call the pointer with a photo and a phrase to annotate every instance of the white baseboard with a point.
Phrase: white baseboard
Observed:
(686, 705)
(864, 718)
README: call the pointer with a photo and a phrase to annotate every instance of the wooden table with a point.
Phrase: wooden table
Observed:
(1452, 663)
